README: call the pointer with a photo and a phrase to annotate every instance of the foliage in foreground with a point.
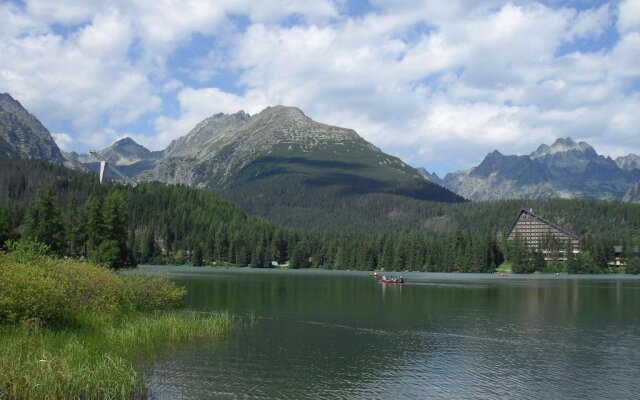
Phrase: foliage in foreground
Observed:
(59, 293)
(41, 363)
(72, 330)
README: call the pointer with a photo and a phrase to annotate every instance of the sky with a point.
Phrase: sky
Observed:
(439, 84)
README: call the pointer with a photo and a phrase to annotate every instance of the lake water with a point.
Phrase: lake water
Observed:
(343, 335)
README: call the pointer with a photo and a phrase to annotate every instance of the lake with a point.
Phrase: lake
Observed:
(343, 335)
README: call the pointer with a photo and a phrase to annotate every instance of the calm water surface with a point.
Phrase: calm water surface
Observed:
(323, 334)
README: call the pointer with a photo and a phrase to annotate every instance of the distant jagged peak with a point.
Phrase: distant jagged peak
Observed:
(288, 111)
(126, 141)
(564, 145)
(629, 162)
(7, 98)
(125, 151)
(430, 176)
(222, 118)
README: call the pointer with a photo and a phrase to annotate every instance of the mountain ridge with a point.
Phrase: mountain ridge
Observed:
(281, 165)
(565, 169)
(22, 135)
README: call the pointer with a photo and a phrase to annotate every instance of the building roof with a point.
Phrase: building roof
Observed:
(530, 212)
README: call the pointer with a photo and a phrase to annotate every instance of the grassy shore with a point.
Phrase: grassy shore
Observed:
(75, 330)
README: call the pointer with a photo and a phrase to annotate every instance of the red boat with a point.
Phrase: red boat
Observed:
(384, 279)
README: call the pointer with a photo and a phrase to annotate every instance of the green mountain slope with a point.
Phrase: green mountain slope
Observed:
(281, 159)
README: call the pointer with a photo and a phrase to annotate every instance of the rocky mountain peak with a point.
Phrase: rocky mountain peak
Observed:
(565, 145)
(23, 136)
(629, 162)
(565, 169)
(126, 141)
(284, 111)
(9, 103)
(222, 119)
(127, 151)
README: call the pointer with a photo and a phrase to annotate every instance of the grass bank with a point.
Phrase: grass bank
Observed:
(75, 330)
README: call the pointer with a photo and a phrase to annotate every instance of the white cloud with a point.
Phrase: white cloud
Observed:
(591, 23)
(85, 78)
(629, 16)
(63, 140)
(431, 81)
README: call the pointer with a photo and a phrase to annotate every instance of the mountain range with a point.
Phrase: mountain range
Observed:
(279, 164)
(282, 165)
(565, 169)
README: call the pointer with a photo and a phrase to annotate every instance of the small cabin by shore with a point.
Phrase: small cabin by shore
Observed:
(536, 232)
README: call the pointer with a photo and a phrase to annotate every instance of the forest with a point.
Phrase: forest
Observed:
(121, 225)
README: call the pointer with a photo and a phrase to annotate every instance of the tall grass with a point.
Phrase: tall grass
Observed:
(75, 330)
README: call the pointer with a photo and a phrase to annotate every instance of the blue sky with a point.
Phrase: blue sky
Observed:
(439, 84)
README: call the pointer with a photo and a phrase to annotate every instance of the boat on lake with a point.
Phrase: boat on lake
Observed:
(391, 279)
(374, 273)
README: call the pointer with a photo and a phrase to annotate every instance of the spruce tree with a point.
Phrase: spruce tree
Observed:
(6, 230)
(115, 222)
(43, 222)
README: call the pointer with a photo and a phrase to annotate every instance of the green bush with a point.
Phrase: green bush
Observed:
(70, 329)
(26, 251)
(147, 293)
(68, 292)
(633, 266)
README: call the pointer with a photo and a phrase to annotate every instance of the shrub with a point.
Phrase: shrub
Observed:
(146, 293)
(26, 251)
(69, 292)
(633, 266)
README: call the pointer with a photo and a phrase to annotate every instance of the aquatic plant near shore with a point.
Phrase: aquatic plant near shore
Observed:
(74, 330)
(38, 362)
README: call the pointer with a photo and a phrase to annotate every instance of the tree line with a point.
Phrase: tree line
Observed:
(121, 225)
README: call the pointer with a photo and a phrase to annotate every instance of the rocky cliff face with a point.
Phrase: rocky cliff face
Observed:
(633, 194)
(565, 169)
(23, 136)
(629, 162)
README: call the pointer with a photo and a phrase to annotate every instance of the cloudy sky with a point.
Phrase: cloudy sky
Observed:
(437, 83)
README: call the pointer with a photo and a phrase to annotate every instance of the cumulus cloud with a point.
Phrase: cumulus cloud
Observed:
(439, 84)
(63, 140)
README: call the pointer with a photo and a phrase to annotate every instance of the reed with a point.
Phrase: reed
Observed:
(75, 330)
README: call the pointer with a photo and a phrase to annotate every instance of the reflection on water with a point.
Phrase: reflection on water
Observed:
(344, 335)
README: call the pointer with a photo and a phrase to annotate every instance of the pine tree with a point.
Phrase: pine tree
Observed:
(43, 222)
(196, 257)
(148, 246)
(6, 230)
(572, 263)
(96, 230)
(115, 222)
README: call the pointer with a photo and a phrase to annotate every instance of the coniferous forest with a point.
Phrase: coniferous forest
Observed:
(121, 225)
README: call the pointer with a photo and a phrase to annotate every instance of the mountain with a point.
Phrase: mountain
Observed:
(431, 177)
(633, 194)
(129, 157)
(23, 136)
(282, 165)
(629, 162)
(566, 169)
